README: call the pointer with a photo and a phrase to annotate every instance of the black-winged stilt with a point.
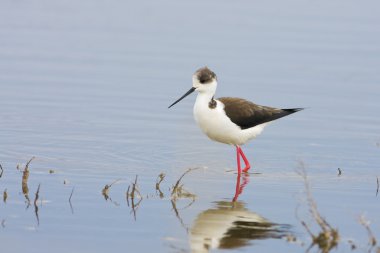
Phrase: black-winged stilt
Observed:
(229, 120)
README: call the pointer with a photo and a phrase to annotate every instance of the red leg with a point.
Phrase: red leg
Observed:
(247, 165)
(238, 159)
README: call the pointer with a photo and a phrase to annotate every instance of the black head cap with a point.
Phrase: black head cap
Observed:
(205, 75)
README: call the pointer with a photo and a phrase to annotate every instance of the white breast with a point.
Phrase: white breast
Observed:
(217, 126)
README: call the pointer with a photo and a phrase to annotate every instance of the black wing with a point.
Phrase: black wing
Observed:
(246, 114)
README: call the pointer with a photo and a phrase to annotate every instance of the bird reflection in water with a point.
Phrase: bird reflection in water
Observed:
(230, 225)
(240, 186)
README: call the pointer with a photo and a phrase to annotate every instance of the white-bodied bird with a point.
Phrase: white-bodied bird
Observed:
(229, 120)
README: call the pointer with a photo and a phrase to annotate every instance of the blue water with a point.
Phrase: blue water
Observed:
(84, 87)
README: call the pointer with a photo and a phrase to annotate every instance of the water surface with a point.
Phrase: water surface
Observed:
(85, 88)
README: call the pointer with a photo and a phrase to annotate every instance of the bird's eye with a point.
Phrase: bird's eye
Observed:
(205, 79)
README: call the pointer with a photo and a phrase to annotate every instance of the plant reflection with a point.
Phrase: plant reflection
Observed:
(178, 192)
(35, 204)
(135, 193)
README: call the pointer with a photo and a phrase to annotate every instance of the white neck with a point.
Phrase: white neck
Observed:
(206, 92)
(204, 97)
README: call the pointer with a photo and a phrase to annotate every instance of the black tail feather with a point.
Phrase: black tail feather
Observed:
(293, 110)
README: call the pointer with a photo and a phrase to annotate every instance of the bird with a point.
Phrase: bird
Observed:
(229, 120)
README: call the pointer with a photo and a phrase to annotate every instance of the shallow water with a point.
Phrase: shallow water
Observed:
(85, 88)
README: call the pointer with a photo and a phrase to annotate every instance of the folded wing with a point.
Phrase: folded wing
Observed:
(246, 114)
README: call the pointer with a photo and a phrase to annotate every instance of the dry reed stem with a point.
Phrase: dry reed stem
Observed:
(160, 178)
(328, 238)
(178, 191)
(372, 242)
(105, 190)
(5, 196)
(1, 168)
(133, 193)
(27, 164)
(24, 183)
(135, 190)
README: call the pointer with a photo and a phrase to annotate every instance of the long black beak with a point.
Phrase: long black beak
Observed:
(185, 95)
